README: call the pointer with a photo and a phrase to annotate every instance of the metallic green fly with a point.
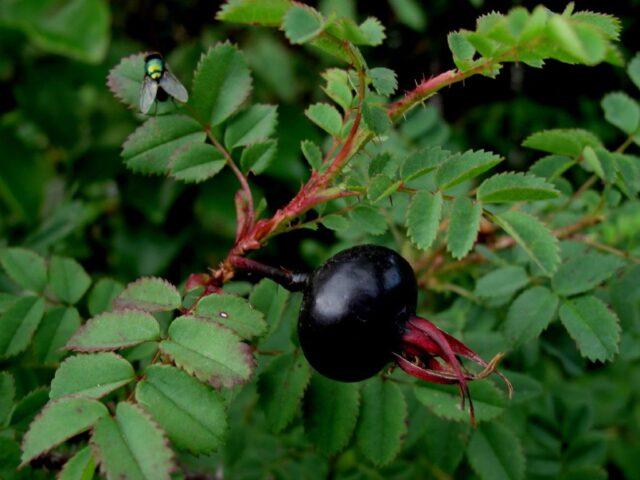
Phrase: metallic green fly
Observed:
(159, 83)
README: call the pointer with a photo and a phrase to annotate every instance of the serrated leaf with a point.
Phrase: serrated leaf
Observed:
(253, 125)
(495, 453)
(326, 117)
(382, 422)
(312, 153)
(515, 187)
(302, 23)
(464, 223)
(335, 223)
(18, 324)
(376, 119)
(254, 12)
(422, 162)
(149, 294)
(338, 87)
(601, 162)
(445, 441)
(102, 295)
(381, 187)
(191, 413)
(423, 218)
(462, 50)
(331, 411)
(257, 157)
(79, 467)
(212, 353)
(552, 166)
(58, 421)
(584, 272)
(196, 162)
(281, 387)
(622, 111)
(67, 279)
(592, 325)
(26, 268)
(372, 32)
(221, 84)
(607, 24)
(369, 220)
(233, 312)
(91, 376)
(384, 80)
(132, 446)
(444, 401)
(150, 147)
(562, 141)
(533, 237)
(502, 281)
(27, 407)
(56, 328)
(580, 42)
(7, 396)
(529, 314)
(465, 166)
(115, 330)
(633, 70)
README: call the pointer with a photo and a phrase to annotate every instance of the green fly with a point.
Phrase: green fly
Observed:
(159, 83)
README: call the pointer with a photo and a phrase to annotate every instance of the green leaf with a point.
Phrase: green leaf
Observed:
(253, 125)
(102, 295)
(601, 162)
(465, 166)
(59, 421)
(312, 153)
(67, 279)
(210, 352)
(112, 331)
(384, 80)
(254, 12)
(376, 119)
(24, 267)
(191, 413)
(150, 147)
(462, 50)
(533, 237)
(622, 111)
(338, 87)
(7, 396)
(423, 161)
(221, 84)
(609, 25)
(464, 223)
(79, 467)
(149, 294)
(445, 441)
(381, 187)
(281, 387)
(529, 314)
(593, 326)
(196, 162)
(132, 446)
(27, 408)
(515, 187)
(9, 457)
(331, 411)
(326, 117)
(233, 312)
(501, 282)
(53, 26)
(369, 220)
(581, 42)
(18, 324)
(552, 166)
(409, 12)
(444, 401)
(562, 141)
(423, 218)
(382, 422)
(372, 32)
(56, 328)
(495, 453)
(633, 70)
(302, 23)
(258, 157)
(584, 272)
(91, 376)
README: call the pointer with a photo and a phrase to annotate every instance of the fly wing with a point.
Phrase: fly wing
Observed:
(148, 93)
(173, 87)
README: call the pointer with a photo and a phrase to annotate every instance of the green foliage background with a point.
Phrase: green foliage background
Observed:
(85, 226)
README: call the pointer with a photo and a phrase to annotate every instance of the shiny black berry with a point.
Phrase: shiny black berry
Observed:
(354, 310)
